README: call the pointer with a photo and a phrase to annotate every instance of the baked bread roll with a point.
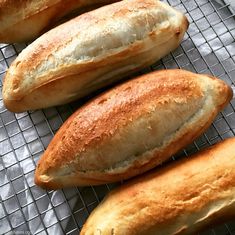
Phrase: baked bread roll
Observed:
(91, 51)
(21, 21)
(131, 128)
(181, 199)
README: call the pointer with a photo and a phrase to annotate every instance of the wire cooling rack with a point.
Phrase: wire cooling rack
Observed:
(208, 47)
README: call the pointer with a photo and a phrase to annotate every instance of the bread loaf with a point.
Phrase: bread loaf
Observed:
(91, 51)
(181, 199)
(21, 21)
(131, 128)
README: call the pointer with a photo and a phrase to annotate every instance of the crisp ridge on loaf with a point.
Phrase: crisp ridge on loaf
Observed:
(181, 199)
(131, 128)
(91, 51)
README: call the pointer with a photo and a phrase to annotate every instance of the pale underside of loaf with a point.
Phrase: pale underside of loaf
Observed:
(25, 20)
(181, 199)
(132, 128)
(127, 36)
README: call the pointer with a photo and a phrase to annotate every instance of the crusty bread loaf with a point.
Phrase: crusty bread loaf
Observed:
(181, 199)
(24, 20)
(91, 51)
(131, 128)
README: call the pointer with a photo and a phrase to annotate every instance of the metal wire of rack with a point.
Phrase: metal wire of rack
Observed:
(208, 47)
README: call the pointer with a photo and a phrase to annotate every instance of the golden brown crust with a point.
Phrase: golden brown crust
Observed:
(80, 147)
(24, 20)
(183, 198)
(77, 54)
